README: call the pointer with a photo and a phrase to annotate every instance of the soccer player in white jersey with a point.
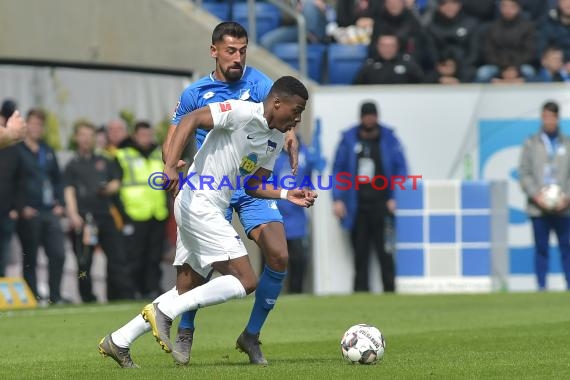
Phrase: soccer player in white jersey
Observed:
(245, 141)
(262, 222)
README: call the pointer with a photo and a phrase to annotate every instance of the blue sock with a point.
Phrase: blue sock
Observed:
(187, 320)
(268, 289)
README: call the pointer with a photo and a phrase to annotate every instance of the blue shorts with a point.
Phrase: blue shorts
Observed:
(253, 211)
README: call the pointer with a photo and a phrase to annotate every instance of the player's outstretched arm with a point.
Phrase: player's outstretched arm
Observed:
(166, 146)
(292, 144)
(256, 187)
(167, 140)
(201, 117)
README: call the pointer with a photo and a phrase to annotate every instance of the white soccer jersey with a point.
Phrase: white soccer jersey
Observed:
(240, 143)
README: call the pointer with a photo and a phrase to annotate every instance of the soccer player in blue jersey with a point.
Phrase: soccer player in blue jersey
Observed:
(261, 219)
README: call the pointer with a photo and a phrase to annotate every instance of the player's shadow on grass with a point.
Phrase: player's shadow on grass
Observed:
(231, 363)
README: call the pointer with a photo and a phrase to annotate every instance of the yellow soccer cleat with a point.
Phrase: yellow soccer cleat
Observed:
(160, 325)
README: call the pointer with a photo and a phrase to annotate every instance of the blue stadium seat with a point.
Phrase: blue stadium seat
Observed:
(289, 52)
(421, 5)
(267, 17)
(344, 61)
(220, 10)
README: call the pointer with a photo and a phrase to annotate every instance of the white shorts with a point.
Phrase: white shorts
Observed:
(204, 236)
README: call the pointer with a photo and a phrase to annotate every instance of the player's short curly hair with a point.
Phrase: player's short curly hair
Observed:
(290, 86)
(228, 28)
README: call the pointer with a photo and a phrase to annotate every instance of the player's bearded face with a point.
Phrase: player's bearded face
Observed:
(231, 55)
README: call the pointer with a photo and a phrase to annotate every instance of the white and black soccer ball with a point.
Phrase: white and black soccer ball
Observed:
(363, 344)
(552, 196)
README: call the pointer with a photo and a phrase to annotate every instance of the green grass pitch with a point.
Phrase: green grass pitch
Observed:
(495, 336)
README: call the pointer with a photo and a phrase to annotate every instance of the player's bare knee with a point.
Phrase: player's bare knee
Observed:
(277, 260)
(187, 279)
(249, 284)
(240, 269)
(271, 239)
(249, 281)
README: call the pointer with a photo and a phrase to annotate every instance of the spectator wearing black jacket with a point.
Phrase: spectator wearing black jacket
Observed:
(446, 71)
(452, 30)
(389, 67)
(536, 10)
(509, 41)
(394, 18)
(483, 11)
(42, 207)
(353, 12)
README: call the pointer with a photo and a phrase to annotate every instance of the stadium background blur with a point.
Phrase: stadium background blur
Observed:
(98, 59)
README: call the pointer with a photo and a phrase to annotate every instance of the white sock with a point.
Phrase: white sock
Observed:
(216, 291)
(172, 293)
(126, 335)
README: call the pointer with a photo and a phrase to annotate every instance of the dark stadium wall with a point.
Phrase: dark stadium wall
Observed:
(164, 35)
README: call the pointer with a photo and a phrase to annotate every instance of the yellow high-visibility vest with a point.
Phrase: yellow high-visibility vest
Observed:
(141, 202)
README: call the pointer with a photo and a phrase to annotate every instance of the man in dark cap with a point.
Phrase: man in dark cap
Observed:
(369, 149)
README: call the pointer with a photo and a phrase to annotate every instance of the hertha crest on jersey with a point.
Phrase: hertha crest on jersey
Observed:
(271, 146)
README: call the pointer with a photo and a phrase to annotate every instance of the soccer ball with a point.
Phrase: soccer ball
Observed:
(362, 344)
(552, 195)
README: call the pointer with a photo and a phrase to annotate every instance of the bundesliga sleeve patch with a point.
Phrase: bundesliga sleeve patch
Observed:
(225, 107)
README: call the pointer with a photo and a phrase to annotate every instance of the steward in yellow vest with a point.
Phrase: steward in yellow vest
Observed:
(146, 209)
(141, 202)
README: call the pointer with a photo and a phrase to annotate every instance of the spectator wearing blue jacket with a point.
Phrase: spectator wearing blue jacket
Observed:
(552, 66)
(555, 31)
(368, 149)
(295, 218)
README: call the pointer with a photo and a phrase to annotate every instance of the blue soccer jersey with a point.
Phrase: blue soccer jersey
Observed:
(253, 86)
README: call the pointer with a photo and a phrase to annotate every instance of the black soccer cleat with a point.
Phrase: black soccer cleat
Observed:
(250, 344)
(183, 346)
(119, 354)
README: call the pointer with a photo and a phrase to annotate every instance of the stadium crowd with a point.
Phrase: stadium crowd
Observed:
(507, 41)
(439, 41)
